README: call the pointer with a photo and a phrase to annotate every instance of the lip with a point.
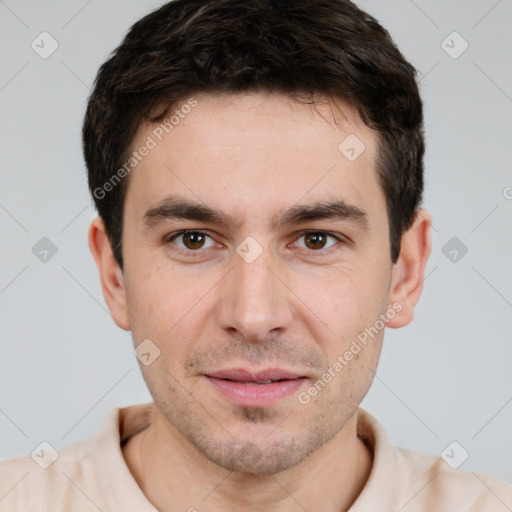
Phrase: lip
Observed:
(240, 374)
(241, 386)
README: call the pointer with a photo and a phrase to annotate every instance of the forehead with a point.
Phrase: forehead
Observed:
(255, 154)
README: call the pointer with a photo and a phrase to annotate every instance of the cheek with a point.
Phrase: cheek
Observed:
(167, 306)
(154, 300)
(346, 301)
(158, 291)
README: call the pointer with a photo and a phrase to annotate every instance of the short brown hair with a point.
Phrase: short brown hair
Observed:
(296, 47)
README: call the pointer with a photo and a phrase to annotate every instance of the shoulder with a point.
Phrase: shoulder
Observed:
(434, 485)
(49, 478)
(414, 482)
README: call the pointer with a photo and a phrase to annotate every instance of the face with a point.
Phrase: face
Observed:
(256, 257)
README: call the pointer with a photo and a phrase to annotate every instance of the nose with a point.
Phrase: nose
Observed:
(255, 302)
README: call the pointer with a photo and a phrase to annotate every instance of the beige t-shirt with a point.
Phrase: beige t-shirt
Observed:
(93, 476)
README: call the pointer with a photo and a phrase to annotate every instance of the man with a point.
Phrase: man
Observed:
(258, 172)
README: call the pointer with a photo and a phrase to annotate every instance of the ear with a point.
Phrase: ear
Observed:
(111, 275)
(408, 272)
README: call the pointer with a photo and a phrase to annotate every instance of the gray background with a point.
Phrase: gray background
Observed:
(64, 364)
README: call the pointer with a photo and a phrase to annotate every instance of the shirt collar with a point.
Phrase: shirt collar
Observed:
(121, 491)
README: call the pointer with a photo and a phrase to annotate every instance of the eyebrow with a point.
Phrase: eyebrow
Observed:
(172, 208)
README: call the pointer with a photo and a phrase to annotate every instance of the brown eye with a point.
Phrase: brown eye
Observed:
(191, 240)
(315, 240)
(318, 241)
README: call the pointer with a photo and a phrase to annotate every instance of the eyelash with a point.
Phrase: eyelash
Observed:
(320, 252)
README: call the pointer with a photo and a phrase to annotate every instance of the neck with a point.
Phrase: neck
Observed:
(173, 475)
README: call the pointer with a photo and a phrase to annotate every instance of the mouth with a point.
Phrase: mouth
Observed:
(255, 389)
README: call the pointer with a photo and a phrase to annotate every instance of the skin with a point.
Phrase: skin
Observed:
(297, 306)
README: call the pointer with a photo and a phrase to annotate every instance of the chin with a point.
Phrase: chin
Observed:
(251, 459)
(265, 454)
